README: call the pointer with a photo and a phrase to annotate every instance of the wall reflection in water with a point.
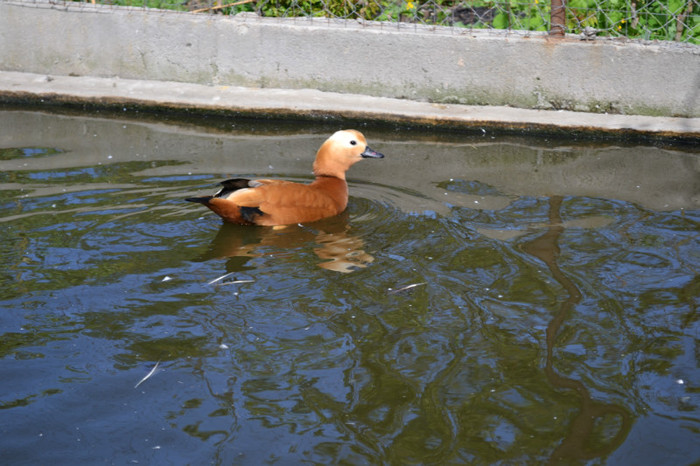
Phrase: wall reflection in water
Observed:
(583, 441)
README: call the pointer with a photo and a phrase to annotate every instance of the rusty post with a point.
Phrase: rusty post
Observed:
(557, 24)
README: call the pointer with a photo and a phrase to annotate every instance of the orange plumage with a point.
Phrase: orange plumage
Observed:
(277, 202)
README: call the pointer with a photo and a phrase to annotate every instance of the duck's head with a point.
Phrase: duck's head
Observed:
(341, 151)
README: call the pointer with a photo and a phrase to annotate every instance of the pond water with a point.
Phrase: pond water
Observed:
(484, 299)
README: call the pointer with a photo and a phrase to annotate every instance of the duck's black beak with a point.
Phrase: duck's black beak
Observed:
(372, 154)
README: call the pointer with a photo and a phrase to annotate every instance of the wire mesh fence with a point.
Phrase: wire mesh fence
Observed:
(675, 20)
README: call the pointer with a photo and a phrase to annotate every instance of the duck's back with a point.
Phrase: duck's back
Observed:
(276, 202)
(282, 203)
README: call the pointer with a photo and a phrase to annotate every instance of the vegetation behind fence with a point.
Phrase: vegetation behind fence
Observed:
(675, 20)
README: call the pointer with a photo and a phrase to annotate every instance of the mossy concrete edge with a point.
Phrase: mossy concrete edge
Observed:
(305, 104)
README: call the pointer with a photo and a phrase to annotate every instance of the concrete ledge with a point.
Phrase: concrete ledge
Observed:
(118, 94)
(435, 64)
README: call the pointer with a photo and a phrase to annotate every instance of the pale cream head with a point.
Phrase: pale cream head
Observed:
(339, 153)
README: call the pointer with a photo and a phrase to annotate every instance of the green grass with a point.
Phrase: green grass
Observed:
(645, 19)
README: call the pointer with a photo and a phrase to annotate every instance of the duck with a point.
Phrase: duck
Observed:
(269, 202)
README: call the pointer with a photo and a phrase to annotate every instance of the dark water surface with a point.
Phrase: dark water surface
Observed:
(483, 300)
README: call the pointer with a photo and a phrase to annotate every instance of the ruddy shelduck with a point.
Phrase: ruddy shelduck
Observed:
(277, 202)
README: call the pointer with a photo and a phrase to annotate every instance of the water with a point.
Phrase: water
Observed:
(483, 300)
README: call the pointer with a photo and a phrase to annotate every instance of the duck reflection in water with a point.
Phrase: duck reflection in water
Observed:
(335, 247)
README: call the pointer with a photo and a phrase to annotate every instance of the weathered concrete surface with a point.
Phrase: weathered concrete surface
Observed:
(435, 64)
(119, 93)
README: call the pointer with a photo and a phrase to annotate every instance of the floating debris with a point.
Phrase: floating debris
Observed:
(216, 280)
(220, 278)
(153, 371)
(238, 281)
(404, 288)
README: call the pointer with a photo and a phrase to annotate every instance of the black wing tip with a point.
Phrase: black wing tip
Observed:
(234, 184)
(227, 187)
(249, 213)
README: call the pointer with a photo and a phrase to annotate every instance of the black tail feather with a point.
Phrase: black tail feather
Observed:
(202, 200)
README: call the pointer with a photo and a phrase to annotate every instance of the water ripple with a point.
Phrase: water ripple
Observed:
(444, 318)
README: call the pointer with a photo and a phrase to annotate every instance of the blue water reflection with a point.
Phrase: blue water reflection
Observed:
(454, 314)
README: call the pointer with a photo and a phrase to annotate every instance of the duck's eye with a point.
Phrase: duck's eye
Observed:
(353, 142)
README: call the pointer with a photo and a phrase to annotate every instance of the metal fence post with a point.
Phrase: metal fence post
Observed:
(557, 24)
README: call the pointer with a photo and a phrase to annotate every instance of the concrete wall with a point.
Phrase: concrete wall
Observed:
(406, 61)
